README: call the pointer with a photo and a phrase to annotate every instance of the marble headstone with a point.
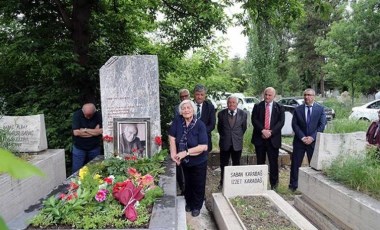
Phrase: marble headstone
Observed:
(129, 91)
(27, 133)
(245, 180)
(329, 145)
(287, 128)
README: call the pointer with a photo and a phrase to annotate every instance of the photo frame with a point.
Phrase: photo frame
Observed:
(132, 137)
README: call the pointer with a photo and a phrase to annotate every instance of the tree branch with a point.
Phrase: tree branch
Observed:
(64, 15)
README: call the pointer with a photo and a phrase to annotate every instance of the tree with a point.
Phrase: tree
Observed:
(352, 48)
(315, 24)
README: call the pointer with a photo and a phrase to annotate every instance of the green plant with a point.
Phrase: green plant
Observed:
(93, 199)
(346, 126)
(359, 172)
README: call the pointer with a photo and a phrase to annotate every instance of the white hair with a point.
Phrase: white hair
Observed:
(187, 102)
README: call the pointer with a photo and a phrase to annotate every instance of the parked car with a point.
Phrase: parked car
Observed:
(290, 103)
(366, 112)
(247, 103)
(221, 99)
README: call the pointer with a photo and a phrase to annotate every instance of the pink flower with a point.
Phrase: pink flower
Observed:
(133, 172)
(147, 180)
(73, 186)
(101, 195)
(158, 140)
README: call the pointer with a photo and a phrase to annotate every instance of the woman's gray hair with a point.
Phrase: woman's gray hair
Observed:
(187, 102)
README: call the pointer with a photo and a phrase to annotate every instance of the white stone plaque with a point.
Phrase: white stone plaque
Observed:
(287, 128)
(129, 89)
(245, 180)
(26, 132)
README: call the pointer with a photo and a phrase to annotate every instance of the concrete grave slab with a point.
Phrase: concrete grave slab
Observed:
(245, 180)
(329, 145)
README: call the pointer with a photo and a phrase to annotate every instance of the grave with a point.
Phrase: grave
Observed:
(247, 181)
(29, 136)
(28, 133)
(329, 145)
(130, 96)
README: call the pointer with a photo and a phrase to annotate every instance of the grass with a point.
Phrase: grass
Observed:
(342, 110)
(358, 172)
(346, 126)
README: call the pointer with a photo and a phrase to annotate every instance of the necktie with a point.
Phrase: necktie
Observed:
(308, 115)
(267, 117)
(231, 112)
(198, 111)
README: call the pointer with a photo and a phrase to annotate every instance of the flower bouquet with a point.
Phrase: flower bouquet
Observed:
(115, 193)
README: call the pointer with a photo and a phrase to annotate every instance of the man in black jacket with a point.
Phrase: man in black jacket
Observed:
(232, 124)
(205, 111)
(268, 118)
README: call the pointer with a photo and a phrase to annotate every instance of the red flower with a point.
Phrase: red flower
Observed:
(134, 150)
(73, 186)
(108, 138)
(158, 140)
(127, 194)
(108, 180)
(131, 158)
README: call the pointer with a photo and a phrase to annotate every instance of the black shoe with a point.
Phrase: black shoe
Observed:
(291, 188)
(274, 187)
(187, 208)
(195, 212)
(220, 186)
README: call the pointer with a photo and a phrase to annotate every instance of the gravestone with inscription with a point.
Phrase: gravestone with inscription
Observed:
(245, 180)
(26, 133)
(130, 95)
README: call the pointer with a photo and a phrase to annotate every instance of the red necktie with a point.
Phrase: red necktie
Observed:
(267, 117)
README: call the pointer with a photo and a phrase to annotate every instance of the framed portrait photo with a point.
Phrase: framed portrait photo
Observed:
(132, 137)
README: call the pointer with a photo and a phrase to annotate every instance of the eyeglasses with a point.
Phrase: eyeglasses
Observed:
(182, 96)
(308, 94)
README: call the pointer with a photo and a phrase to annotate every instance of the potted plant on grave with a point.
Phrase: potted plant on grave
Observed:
(114, 193)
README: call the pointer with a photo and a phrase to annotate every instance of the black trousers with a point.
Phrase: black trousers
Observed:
(180, 178)
(225, 159)
(297, 157)
(261, 152)
(195, 185)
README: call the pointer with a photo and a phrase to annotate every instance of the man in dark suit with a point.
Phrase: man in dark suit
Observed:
(308, 119)
(232, 124)
(205, 111)
(268, 118)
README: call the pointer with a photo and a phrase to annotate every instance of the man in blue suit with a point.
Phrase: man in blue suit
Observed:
(308, 120)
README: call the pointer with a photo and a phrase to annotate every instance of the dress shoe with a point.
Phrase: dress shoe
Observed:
(187, 208)
(220, 186)
(292, 188)
(195, 212)
(274, 187)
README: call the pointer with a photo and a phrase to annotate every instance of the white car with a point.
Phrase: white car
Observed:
(247, 103)
(366, 112)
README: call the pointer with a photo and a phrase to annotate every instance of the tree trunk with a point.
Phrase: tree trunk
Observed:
(80, 29)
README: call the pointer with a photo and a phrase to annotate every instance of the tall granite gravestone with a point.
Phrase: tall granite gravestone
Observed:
(27, 133)
(130, 97)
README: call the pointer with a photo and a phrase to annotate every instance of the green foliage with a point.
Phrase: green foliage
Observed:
(84, 212)
(352, 50)
(117, 167)
(359, 172)
(346, 126)
(342, 110)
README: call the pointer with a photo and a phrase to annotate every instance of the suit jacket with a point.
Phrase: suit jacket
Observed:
(317, 123)
(208, 117)
(276, 123)
(231, 136)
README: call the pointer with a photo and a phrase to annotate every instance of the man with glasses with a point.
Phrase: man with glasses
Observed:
(184, 94)
(308, 119)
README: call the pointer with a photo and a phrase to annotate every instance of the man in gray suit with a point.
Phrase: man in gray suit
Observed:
(232, 124)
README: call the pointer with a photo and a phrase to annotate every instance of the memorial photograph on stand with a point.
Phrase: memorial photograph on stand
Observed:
(132, 137)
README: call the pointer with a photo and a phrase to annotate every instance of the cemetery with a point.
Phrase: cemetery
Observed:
(322, 203)
(90, 95)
